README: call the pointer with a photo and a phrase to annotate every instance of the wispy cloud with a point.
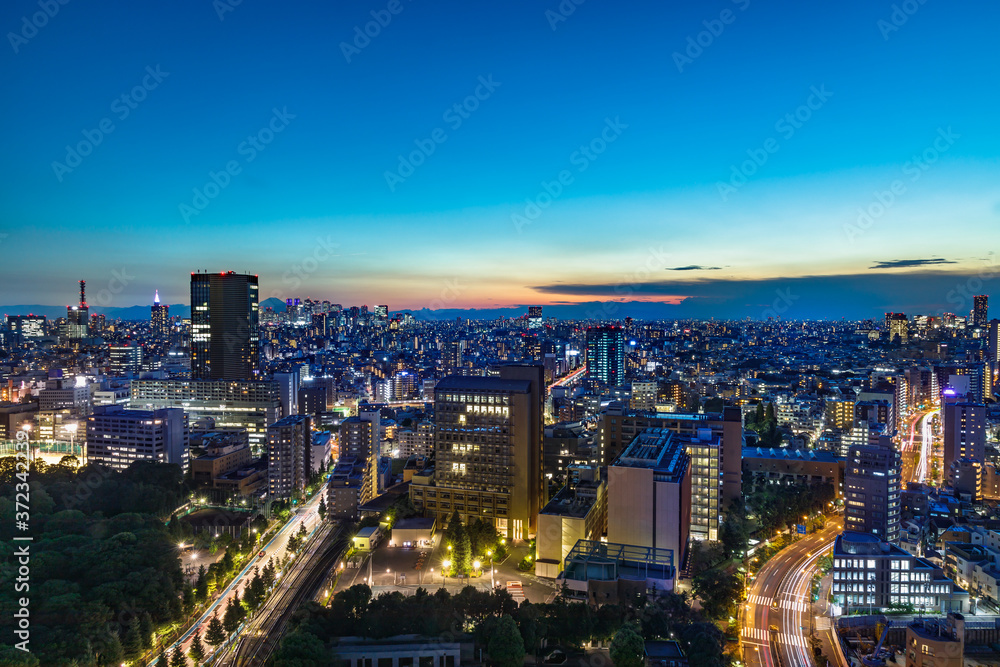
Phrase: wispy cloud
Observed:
(907, 263)
(694, 267)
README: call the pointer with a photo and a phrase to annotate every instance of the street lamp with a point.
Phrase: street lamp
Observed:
(445, 564)
(489, 553)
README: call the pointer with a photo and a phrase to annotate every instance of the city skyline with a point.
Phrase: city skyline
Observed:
(736, 170)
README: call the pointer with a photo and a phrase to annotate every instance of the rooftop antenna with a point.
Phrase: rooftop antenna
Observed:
(83, 293)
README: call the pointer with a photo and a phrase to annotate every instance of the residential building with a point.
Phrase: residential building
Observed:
(869, 573)
(935, 642)
(289, 450)
(964, 429)
(872, 490)
(606, 355)
(126, 360)
(787, 466)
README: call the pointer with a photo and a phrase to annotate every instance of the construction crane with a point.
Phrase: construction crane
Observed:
(877, 657)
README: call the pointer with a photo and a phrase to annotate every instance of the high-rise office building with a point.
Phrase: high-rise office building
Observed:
(116, 437)
(289, 452)
(534, 317)
(897, 327)
(225, 338)
(78, 317)
(381, 314)
(159, 317)
(993, 345)
(980, 311)
(27, 326)
(872, 490)
(606, 355)
(487, 451)
(964, 429)
(126, 360)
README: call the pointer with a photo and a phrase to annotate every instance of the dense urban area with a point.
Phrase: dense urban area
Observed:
(292, 483)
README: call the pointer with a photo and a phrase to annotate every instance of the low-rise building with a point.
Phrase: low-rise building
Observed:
(871, 574)
(577, 512)
(608, 573)
(935, 642)
(786, 466)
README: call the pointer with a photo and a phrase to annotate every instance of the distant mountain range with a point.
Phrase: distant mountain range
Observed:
(125, 313)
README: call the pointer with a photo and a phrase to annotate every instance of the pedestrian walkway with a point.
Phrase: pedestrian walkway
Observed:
(782, 604)
(781, 638)
(516, 591)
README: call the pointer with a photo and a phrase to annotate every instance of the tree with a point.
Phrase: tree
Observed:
(463, 553)
(178, 659)
(718, 591)
(163, 660)
(322, 508)
(197, 650)
(216, 634)
(146, 629)
(132, 643)
(506, 646)
(253, 594)
(627, 648)
(201, 585)
(231, 619)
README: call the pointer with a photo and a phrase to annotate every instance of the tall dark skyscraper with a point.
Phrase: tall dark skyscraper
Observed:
(534, 317)
(606, 354)
(980, 311)
(159, 317)
(78, 317)
(225, 339)
(872, 490)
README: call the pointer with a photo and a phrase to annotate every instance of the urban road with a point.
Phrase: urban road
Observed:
(777, 617)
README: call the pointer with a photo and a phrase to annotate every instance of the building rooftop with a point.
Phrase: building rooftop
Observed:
(568, 502)
(659, 449)
(478, 383)
(291, 420)
(790, 454)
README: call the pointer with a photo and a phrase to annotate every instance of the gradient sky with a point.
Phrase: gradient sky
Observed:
(444, 237)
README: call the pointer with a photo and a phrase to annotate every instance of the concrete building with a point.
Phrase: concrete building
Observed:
(609, 573)
(116, 437)
(223, 452)
(649, 493)
(416, 440)
(252, 406)
(643, 396)
(617, 428)
(487, 445)
(360, 441)
(872, 490)
(869, 573)
(964, 429)
(577, 512)
(343, 491)
(935, 642)
(289, 453)
(787, 466)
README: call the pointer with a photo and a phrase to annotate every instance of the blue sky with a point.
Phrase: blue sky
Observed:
(315, 214)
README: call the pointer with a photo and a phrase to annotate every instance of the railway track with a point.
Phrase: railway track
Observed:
(260, 638)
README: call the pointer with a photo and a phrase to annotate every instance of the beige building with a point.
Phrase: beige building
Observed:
(649, 493)
(935, 642)
(578, 512)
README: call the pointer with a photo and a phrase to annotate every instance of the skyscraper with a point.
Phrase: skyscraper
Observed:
(381, 314)
(78, 317)
(534, 317)
(224, 326)
(993, 344)
(872, 490)
(980, 310)
(486, 466)
(964, 426)
(159, 317)
(606, 355)
(126, 360)
(897, 327)
(289, 451)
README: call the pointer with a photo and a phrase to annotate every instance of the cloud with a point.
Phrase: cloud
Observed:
(907, 263)
(694, 267)
(858, 295)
